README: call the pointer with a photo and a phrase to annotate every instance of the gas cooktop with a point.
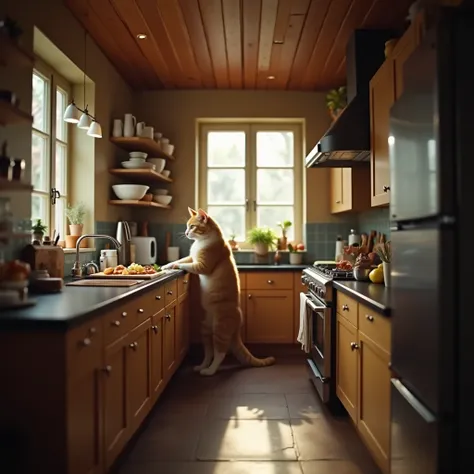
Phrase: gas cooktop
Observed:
(330, 270)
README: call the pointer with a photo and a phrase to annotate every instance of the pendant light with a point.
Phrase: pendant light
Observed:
(85, 120)
(71, 114)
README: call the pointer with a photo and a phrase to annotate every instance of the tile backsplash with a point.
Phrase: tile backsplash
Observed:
(375, 219)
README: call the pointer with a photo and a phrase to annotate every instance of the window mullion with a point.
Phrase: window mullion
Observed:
(252, 178)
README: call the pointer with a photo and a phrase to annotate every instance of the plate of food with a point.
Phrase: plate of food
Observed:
(134, 271)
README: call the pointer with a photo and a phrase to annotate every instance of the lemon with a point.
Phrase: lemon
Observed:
(376, 275)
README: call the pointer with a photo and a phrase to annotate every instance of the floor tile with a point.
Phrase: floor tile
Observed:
(250, 406)
(250, 440)
(336, 467)
(304, 405)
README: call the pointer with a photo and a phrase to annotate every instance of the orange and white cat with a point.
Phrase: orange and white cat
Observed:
(211, 258)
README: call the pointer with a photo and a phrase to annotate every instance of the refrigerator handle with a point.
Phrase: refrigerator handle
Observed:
(413, 401)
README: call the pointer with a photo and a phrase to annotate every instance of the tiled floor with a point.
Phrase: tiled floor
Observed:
(263, 421)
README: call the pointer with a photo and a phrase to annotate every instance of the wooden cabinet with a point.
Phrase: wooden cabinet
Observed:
(157, 354)
(181, 327)
(169, 357)
(363, 375)
(349, 190)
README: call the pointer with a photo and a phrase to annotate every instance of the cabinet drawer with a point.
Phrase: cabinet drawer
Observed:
(84, 347)
(269, 281)
(118, 321)
(142, 308)
(347, 307)
(183, 284)
(171, 290)
(375, 327)
(155, 300)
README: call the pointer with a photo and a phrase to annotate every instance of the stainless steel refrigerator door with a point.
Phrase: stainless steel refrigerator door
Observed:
(414, 437)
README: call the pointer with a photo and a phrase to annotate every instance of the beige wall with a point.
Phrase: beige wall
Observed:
(174, 113)
(112, 96)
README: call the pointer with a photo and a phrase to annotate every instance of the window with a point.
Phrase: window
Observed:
(49, 152)
(251, 175)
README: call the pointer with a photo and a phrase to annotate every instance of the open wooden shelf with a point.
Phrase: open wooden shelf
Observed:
(146, 145)
(6, 185)
(10, 115)
(146, 175)
(119, 202)
(12, 54)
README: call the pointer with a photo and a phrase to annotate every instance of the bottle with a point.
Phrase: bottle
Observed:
(112, 257)
(353, 238)
(277, 258)
(103, 260)
(339, 249)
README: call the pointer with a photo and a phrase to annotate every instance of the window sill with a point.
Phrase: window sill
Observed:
(81, 250)
(270, 251)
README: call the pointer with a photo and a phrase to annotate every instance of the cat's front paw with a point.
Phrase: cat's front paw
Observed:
(207, 371)
(168, 266)
(198, 368)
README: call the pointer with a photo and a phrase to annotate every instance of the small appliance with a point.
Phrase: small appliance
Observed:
(145, 250)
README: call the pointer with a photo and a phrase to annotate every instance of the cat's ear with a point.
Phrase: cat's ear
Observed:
(192, 212)
(203, 216)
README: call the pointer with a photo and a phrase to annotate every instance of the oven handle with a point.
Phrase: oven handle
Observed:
(314, 307)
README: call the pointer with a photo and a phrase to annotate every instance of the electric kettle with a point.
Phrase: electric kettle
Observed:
(124, 236)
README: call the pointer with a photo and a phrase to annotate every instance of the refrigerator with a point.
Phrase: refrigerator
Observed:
(431, 148)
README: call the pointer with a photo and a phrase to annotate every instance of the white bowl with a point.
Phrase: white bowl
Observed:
(164, 141)
(130, 192)
(168, 149)
(138, 154)
(138, 164)
(159, 163)
(165, 200)
(166, 173)
(160, 192)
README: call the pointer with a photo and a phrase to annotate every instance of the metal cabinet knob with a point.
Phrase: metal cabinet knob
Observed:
(108, 369)
(250, 297)
(124, 314)
(270, 282)
(116, 323)
(354, 346)
(92, 330)
(345, 307)
(141, 311)
(369, 317)
(169, 292)
(168, 317)
(87, 342)
(386, 189)
(134, 345)
(155, 328)
(158, 297)
(185, 282)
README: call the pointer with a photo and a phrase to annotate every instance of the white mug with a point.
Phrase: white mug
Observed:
(140, 127)
(173, 254)
(118, 128)
(130, 123)
(147, 132)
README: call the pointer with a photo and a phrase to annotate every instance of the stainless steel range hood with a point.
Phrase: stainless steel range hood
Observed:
(347, 142)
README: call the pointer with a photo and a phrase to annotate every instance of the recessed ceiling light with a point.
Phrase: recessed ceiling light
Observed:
(141, 36)
(270, 77)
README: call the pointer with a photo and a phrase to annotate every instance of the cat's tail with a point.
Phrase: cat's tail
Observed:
(244, 356)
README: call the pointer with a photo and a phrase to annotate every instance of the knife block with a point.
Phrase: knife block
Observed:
(45, 257)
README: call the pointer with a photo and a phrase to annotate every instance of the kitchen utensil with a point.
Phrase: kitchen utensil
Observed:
(56, 240)
(145, 250)
(138, 154)
(172, 254)
(140, 127)
(117, 128)
(45, 257)
(130, 123)
(137, 164)
(364, 240)
(130, 192)
(163, 199)
(158, 162)
(125, 238)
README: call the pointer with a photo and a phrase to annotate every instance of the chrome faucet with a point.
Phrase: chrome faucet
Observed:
(76, 269)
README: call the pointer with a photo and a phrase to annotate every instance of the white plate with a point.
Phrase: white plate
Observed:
(135, 165)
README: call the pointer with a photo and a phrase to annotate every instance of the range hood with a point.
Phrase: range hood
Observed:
(347, 142)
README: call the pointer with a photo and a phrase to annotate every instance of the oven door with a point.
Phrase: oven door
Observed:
(320, 362)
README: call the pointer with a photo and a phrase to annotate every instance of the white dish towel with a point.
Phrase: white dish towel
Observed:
(306, 322)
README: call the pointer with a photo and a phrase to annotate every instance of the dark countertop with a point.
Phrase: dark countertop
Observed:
(271, 268)
(375, 296)
(73, 305)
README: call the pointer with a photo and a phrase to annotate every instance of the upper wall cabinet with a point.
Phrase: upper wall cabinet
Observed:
(349, 190)
(385, 87)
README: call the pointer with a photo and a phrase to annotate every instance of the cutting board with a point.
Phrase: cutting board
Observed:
(108, 282)
(127, 277)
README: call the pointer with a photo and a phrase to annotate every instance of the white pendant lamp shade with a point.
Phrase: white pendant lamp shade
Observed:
(85, 121)
(71, 114)
(95, 130)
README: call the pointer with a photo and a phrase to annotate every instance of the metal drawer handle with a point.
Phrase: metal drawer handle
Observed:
(270, 282)
(169, 292)
(250, 297)
(124, 314)
(155, 328)
(354, 346)
(369, 317)
(108, 369)
(87, 342)
(134, 345)
(157, 297)
(168, 317)
(140, 311)
(116, 323)
(345, 307)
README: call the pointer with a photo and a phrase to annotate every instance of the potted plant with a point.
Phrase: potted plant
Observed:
(75, 216)
(38, 229)
(263, 239)
(232, 242)
(336, 101)
(284, 226)
(384, 251)
(296, 253)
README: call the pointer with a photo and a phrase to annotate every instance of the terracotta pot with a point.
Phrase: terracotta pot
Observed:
(283, 242)
(71, 241)
(261, 249)
(233, 245)
(76, 229)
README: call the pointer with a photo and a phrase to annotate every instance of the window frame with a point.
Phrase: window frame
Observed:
(55, 82)
(251, 129)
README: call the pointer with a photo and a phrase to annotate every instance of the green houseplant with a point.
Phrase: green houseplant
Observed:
(263, 239)
(75, 215)
(336, 101)
(284, 226)
(232, 242)
(296, 255)
(38, 229)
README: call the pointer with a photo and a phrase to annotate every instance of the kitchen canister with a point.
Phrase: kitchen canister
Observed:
(354, 238)
(117, 130)
(339, 249)
(173, 254)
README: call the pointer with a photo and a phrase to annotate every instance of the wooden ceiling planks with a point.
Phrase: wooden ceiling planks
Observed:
(236, 44)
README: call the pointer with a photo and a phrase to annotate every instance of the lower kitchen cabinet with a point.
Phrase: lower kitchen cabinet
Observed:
(157, 354)
(169, 342)
(363, 376)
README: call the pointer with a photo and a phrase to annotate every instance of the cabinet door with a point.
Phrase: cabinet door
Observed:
(402, 51)
(85, 423)
(270, 316)
(346, 365)
(117, 429)
(243, 307)
(139, 373)
(169, 341)
(181, 327)
(382, 96)
(374, 400)
(157, 355)
(336, 189)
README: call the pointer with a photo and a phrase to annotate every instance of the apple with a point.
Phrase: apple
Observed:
(300, 247)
